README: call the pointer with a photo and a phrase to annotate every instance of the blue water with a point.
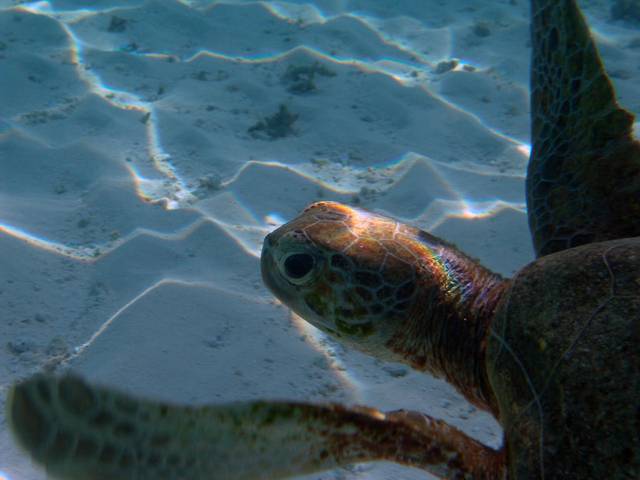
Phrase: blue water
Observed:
(142, 161)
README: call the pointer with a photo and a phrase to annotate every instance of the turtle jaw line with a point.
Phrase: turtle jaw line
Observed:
(369, 337)
(321, 309)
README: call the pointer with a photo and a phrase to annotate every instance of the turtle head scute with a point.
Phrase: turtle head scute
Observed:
(334, 266)
(26, 416)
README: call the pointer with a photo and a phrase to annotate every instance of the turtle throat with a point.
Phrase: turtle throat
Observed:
(446, 330)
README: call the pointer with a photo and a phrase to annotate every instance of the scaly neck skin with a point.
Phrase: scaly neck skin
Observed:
(446, 331)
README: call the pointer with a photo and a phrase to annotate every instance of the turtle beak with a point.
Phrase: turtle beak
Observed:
(267, 263)
(271, 277)
(268, 267)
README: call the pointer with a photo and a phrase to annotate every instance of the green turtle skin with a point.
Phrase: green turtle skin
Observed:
(79, 431)
(583, 175)
(564, 362)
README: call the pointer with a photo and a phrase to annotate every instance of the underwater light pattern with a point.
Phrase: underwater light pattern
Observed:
(147, 148)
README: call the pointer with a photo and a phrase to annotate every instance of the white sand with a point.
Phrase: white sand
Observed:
(133, 200)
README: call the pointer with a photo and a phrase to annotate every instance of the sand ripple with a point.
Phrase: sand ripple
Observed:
(140, 169)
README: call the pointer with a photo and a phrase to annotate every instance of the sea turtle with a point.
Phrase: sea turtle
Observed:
(552, 352)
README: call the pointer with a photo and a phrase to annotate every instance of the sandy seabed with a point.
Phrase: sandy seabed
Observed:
(140, 168)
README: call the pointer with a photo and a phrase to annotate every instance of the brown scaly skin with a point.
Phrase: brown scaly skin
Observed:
(83, 432)
(390, 290)
(583, 176)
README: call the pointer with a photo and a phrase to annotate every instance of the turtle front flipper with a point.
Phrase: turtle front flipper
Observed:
(583, 179)
(81, 432)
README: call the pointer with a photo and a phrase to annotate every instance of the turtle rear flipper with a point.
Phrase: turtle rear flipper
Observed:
(583, 179)
(81, 432)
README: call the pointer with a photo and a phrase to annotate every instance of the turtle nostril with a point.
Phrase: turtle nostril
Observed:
(298, 265)
(268, 241)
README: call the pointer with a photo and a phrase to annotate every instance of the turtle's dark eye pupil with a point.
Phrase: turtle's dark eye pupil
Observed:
(298, 265)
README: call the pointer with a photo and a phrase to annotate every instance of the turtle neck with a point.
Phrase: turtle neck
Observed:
(446, 330)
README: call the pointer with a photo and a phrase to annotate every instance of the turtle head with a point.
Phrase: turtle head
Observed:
(387, 289)
(339, 268)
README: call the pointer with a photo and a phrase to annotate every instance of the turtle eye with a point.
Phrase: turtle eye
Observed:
(298, 265)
